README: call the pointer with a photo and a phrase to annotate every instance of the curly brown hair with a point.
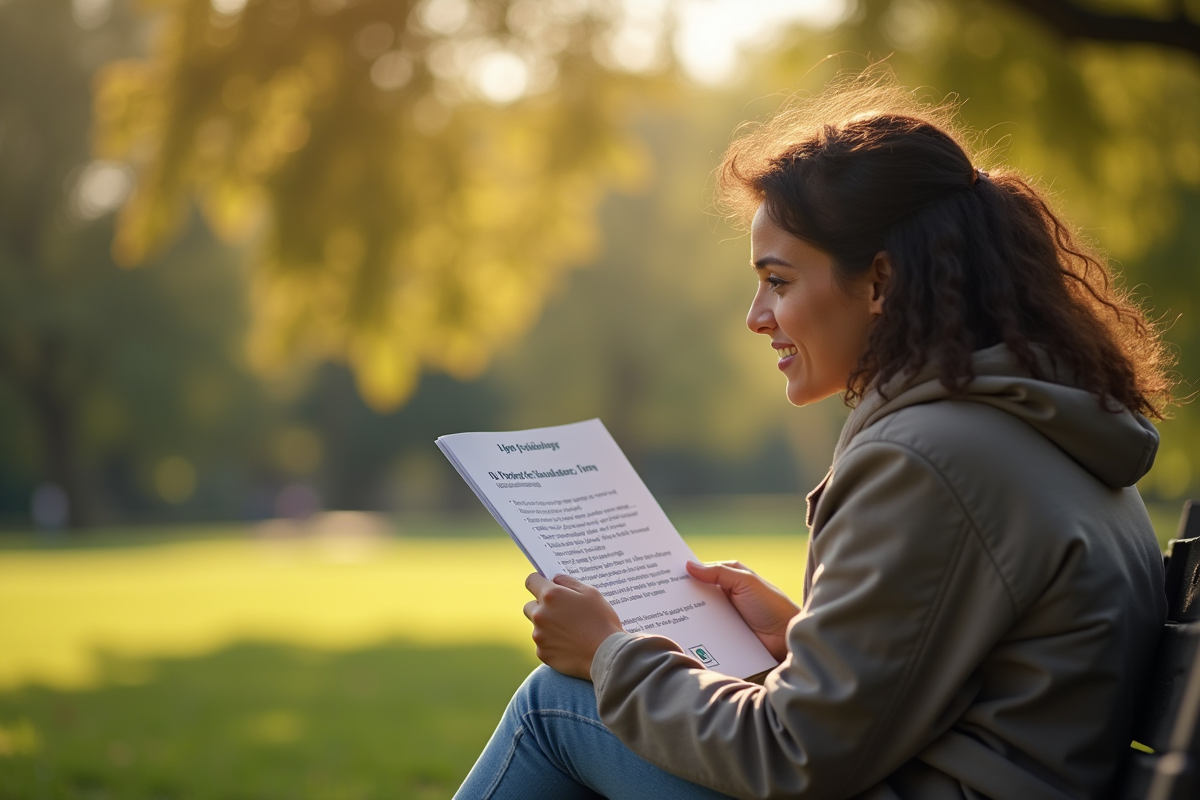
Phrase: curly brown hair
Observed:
(978, 258)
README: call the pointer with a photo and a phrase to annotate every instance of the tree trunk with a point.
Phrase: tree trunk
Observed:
(55, 417)
(42, 378)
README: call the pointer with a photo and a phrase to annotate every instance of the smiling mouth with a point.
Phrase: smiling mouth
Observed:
(787, 352)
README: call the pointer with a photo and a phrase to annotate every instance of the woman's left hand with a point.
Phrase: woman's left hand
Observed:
(570, 620)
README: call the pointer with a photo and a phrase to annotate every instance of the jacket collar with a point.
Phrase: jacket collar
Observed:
(1116, 446)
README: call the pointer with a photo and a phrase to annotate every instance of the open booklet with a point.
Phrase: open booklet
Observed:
(573, 503)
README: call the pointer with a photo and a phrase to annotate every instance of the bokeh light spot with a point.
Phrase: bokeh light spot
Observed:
(228, 7)
(101, 188)
(391, 71)
(635, 48)
(446, 17)
(501, 76)
(89, 14)
(711, 34)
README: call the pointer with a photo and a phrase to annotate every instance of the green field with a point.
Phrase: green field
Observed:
(217, 663)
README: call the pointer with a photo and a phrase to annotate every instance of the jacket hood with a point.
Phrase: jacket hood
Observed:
(1117, 447)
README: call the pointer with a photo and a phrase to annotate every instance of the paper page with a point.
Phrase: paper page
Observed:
(573, 503)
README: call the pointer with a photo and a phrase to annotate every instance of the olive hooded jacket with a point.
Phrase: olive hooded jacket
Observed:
(983, 596)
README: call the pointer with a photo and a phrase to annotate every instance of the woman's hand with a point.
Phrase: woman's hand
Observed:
(764, 608)
(570, 620)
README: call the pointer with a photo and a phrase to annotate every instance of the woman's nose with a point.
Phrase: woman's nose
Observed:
(760, 319)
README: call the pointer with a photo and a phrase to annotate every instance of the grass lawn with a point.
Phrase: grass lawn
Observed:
(211, 664)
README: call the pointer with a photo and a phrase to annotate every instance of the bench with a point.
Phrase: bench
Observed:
(1168, 720)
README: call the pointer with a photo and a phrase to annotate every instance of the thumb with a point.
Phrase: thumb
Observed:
(707, 573)
(563, 579)
(727, 576)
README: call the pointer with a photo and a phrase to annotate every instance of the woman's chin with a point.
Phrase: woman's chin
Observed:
(800, 395)
(797, 396)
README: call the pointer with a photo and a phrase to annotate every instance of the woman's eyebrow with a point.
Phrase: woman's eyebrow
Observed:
(769, 261)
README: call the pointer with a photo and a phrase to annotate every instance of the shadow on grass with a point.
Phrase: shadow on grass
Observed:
(261, 721)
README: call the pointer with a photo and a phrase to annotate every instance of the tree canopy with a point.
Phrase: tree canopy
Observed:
(413, 177)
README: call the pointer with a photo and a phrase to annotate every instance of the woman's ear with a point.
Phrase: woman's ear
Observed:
(880, 273)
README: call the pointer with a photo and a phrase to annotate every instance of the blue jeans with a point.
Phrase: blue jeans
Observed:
(551, 745)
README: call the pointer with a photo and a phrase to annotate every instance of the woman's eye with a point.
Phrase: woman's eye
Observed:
(776, 283)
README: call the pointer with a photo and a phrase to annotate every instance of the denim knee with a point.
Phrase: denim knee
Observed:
(546, 688)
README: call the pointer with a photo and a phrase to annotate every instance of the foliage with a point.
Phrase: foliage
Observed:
(103, 372)
(410, 207)
(1148, 24)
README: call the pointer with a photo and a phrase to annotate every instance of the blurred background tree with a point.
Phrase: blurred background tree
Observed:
(391, 188)
(416, 175)
(105, 375)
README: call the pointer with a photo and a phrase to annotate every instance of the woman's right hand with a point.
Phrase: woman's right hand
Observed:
(764, 608)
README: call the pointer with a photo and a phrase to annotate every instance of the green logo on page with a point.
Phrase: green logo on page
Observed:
(701, 653)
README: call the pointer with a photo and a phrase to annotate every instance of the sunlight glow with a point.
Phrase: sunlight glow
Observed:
(501, 76)
(712, 34)
(710, 38)
(636, 43)
(445, 17)
(228, 8)
(101, 188)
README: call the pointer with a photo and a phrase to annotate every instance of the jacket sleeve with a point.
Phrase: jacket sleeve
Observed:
(905, 603)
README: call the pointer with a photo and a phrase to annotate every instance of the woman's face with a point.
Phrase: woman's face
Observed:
(817, 329)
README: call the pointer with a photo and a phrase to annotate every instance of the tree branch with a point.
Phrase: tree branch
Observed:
(1072, 22)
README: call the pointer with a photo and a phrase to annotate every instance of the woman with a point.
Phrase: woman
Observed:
(983, 588)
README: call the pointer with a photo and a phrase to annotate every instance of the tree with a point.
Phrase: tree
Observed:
(1174, 29)
(44, 97)
(105, 373)
(414, 176)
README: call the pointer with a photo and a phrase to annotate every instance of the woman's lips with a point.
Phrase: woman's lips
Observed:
(786, 354)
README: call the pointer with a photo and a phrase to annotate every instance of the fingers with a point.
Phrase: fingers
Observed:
(726, 574)
(537, 585)
(711, 565)
(570, 582)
